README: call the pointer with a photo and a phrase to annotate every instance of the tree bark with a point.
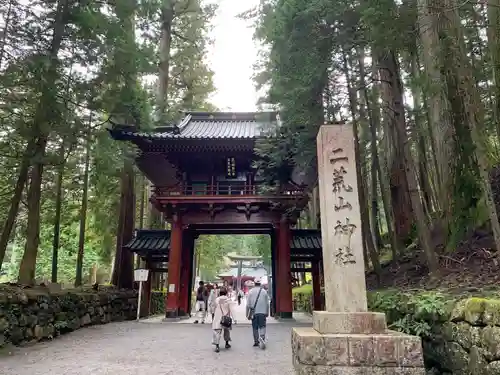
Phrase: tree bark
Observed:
(382, 170)
(167, 17)
(391, 81)
(370, 245)
(461, 79)
(41, 129)
(439, 111)
(57, 216)
(15, 200)
(83, 212)
(373, 152)
(124, 264)
(493, 33)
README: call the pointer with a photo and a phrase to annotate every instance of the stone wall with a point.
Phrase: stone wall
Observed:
(28, 315)
(468, 342)
(460, 335)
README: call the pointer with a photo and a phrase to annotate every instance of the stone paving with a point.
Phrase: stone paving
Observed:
(132, 348)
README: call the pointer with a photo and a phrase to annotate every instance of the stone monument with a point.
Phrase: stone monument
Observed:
(346, 339)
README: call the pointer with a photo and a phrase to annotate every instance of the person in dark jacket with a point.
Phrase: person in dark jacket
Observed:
(201, 303)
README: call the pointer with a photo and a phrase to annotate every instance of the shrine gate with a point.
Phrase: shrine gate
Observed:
(204, 183)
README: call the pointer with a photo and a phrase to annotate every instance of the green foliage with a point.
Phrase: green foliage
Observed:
(414, 313)
(105, 56)
(411, 313)
(212, 249)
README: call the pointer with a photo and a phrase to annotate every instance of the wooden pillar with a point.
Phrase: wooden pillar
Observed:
(187, 265)
(274, 270)
(285, 305)
(146, 295)
(174, 269)
(317, 303)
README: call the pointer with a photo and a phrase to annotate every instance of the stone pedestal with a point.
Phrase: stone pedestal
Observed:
(354, 344)
(346, 339)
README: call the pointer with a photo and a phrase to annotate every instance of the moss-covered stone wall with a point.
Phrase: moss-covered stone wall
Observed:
(460, 334)
(468, 342)
(28, 315)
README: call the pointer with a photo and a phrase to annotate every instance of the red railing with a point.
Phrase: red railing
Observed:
(221, 189)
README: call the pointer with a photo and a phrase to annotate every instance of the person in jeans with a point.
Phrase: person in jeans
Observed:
(258, 310)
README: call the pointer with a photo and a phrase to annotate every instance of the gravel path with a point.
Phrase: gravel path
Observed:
(132, 348)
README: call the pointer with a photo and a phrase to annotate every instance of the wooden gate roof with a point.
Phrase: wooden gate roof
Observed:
(204, 125)
(304, 242)
(150, 241)
(306, 239)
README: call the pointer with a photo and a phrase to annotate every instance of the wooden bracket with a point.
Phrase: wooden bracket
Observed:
(248, 209)
(213, 209)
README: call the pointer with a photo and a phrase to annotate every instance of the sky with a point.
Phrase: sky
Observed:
(232, 56)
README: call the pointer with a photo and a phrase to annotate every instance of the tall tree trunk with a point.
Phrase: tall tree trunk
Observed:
(124, 262)
(83, 212)
(15, 200)
(423, 174)
(3, 35)
(393, 88)
(382, 169)
(461, 82)
(373, 151)
(41, 129)
(394, 121)
(167, 17)
(442, 129)
(57, 216)
(371, 250)
(494, 51)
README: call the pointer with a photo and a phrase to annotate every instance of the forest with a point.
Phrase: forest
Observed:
(418, 79)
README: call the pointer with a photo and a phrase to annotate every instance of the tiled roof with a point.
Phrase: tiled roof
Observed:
(206, 125)
(158, 241)
(151, 241)
(249, 272)
(306, 239)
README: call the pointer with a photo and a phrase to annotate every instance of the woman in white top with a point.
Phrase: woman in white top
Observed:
(214, 293)
(223, 307)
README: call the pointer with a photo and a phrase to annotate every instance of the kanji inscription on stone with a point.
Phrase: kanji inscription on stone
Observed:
(345, 228)
(345, 288)
(339, 184)
(344, 255)
(342, 204)
(337, 156)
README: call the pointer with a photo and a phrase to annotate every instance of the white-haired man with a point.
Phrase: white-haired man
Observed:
(257, 310)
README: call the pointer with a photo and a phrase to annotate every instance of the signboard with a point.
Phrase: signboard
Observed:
(171, 288)
(141, 275)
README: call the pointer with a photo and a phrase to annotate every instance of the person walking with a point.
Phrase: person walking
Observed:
(214, 293)
(201, 303)
(240, 296)
(222, 320)
(257, 310)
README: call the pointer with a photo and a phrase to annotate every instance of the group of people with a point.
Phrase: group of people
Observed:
(218, 303)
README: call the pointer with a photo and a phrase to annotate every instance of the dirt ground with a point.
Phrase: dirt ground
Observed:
(472, 267)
